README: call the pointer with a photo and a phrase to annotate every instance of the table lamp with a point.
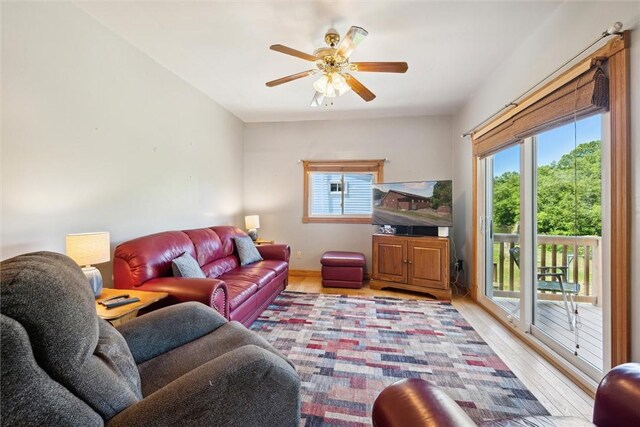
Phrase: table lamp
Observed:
(252, 223)
(86, 249)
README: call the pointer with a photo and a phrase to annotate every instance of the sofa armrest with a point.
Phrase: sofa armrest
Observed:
(248, 386)
(416, 402)
(275, 252)
(170, 327)
(617, 398)
(212, 292)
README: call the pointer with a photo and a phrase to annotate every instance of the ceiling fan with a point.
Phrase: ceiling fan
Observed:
(334, 65)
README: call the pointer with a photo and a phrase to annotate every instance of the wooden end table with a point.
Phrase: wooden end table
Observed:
(260, 242)
(122, 314)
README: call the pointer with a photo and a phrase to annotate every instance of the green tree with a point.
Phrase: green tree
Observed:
(442, 194)
(568, 191)
(378, 195)
(506, 201)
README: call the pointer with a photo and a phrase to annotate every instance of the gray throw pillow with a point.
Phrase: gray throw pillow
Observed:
(247, 250)
(186, 266)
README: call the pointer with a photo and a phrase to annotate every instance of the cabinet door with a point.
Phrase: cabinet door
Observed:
(390, 259)
(429, 263)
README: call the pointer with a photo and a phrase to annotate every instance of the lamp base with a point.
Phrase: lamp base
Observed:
(253, 233)
(95, 279)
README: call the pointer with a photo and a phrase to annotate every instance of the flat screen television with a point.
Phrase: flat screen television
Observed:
(419, 203)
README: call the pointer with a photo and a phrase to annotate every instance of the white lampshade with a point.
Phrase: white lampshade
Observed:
(331, 85)
(340, 84)
(252, 222)
(88, 248)
(320, 85)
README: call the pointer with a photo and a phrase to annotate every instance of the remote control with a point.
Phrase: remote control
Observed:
(119, 302)
(112, 299)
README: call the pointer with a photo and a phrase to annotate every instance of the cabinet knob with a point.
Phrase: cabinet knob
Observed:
(404, 261)
(410, 262)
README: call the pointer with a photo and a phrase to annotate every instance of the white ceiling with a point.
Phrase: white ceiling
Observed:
(222, 48)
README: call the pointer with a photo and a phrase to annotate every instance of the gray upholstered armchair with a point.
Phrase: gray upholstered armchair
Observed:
(182, 365)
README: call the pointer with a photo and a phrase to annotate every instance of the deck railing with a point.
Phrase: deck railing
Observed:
(582, 255)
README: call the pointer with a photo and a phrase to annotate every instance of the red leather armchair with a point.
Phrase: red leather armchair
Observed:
(237, 293)
(416, 402)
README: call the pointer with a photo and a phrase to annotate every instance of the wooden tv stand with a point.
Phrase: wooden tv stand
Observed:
(414, 263)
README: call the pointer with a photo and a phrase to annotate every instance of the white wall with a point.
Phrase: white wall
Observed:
(572, 26)
(418, 148)
(98, 136)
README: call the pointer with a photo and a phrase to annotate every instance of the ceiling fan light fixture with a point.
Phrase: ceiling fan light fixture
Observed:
(354, 37)
(321, 84)
(339, 83)
(331, 85)
(335, 67)
(330, 91)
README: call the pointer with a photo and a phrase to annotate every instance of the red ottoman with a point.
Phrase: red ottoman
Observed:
(342, 269)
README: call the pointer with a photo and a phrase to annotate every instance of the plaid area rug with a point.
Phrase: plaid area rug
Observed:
(346, 349)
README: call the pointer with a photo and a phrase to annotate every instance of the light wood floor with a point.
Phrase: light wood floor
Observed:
(553, 389)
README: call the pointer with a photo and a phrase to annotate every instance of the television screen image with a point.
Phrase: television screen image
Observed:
(421, 203)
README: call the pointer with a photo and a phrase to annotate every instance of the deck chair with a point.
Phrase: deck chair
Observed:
(558, 283)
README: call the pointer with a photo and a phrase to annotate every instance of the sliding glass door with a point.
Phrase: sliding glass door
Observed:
(541, 232)
(568, 312)
(502, 222)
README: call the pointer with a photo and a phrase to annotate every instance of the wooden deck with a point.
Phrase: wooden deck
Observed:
(552, 319)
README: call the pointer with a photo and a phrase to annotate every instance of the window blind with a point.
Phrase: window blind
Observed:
(582, 96)
(357, 194)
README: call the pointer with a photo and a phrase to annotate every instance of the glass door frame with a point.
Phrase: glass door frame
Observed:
(604, 272)
(524, 324)
(484, 171)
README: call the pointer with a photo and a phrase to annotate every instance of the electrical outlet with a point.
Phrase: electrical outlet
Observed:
(299, 254)
(459, 265)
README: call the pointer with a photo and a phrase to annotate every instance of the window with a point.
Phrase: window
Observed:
(340, 190)
(591, 178)
(336, 187)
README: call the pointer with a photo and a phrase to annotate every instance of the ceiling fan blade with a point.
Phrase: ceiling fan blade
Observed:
(318, 99)
(354, 36)
(359, 88)
(292, 77)
(380, 67)
(290, 51)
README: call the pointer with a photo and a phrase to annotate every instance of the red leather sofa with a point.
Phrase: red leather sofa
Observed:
(238, 293)
(416, 402)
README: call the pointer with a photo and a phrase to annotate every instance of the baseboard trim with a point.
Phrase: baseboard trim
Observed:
(313, 273)
(305, 273)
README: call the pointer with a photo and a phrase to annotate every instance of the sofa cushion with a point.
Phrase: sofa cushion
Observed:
(259, 276)
(226, 234)
(207, 244)
(247, 251)
(186, 266)
(217, 268)
(343, 259)
(277, 266)
(185, 358)
(85, 353)
(240, 291)
(149, 257)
